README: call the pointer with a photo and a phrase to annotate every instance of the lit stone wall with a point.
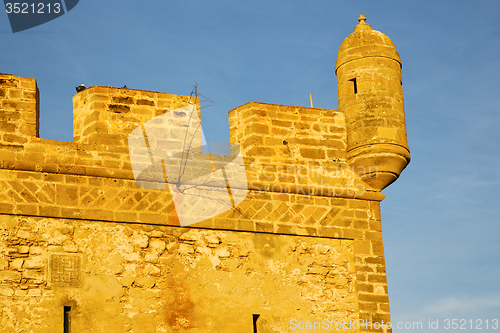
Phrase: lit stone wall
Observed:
(138, 278)
(304, 246)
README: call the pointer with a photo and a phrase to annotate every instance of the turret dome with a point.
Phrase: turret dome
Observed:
(365, 42)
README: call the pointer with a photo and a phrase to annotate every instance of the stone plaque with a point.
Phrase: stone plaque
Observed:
(65, 270)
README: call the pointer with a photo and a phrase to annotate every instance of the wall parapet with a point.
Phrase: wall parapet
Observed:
(286, 149)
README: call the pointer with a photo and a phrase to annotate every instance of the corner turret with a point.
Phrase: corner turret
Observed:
(371, 96)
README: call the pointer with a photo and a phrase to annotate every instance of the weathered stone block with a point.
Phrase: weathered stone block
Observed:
(10, 276)
(312, 153)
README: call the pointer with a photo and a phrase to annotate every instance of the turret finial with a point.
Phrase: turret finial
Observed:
(362, 24)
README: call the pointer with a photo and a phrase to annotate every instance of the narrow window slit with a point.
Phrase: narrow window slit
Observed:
(67, 319)
(354, 85)
(255, 317)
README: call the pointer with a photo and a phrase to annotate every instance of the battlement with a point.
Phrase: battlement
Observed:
(287, 150)
(295, 137)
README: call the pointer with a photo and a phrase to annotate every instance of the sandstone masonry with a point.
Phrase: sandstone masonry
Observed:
(83, 248)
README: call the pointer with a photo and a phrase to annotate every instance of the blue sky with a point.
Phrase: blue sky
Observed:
(441, 220)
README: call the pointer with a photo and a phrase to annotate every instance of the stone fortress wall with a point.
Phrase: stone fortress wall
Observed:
(83, 248)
